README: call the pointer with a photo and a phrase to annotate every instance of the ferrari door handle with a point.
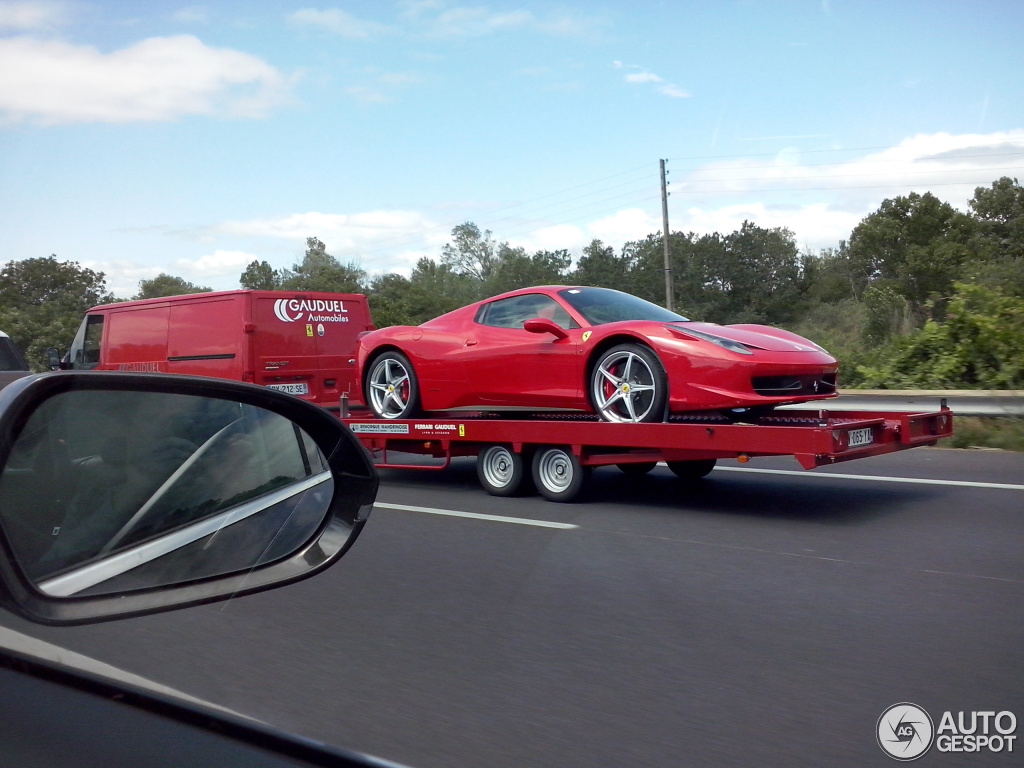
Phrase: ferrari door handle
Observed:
(470, 342)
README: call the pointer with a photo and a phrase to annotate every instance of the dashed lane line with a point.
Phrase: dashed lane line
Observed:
(476, 516)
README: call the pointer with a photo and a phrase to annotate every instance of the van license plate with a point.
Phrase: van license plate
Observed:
(859, 437)
(301, 388)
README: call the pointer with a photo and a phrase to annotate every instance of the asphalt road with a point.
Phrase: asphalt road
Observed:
(752, 619)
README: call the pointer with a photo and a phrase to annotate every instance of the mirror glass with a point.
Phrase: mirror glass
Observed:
(110, 491)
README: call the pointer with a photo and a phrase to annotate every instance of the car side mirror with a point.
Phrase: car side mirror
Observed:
(53, 359)
(125, 494)
(544, 325)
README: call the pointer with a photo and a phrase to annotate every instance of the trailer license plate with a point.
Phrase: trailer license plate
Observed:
(302, 388)
(859, 437)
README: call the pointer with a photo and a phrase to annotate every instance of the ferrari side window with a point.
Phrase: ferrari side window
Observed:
(516, 310)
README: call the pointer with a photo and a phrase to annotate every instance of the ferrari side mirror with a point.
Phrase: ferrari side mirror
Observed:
(544, 325)
(125, 494)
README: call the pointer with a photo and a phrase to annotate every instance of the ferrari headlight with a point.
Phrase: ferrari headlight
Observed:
(732, 346)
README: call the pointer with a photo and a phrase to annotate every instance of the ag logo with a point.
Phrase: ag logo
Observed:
(281, 310)
(905, 731)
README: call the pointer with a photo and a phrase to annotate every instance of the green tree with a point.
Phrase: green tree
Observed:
(471, 253)
(917, 242)
(599, 266)
(518, 270)
(260, 276)
(435, 289)
(319, 271)
(42, 301)
(980, 345)
(389, 298)
(999, 212)
(167, 285)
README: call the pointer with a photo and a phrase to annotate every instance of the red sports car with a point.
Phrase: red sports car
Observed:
(590, 350)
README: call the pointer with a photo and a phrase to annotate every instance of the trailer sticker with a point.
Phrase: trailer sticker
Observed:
(309, 329)
(380, 428)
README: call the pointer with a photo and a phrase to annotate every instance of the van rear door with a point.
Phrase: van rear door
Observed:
(302, 342)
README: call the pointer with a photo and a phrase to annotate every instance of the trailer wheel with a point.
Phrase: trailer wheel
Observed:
(392, 390)
(500, 470)
(558, 474)
(638, 469)
(692, 470)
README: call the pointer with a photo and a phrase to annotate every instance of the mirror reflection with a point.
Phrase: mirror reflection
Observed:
(107, 491)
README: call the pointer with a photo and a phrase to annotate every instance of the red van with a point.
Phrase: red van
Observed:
(301, 343)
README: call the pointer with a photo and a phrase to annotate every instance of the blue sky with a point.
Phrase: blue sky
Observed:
(139, 138)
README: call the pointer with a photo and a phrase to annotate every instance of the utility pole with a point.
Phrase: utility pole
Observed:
(664, 237)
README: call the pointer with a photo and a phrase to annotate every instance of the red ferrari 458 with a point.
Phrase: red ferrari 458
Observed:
(589, 350)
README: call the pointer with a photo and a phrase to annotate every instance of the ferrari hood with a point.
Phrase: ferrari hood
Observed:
(762, 338)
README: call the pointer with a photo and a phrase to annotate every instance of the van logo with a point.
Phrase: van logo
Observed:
(281, 310)
(290, 310)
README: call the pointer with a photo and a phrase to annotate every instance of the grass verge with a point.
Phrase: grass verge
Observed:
(983, 432)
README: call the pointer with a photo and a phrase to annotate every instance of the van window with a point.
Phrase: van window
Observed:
(10, 358)
(85, 349)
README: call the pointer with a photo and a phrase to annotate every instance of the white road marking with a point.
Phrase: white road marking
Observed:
(875, 478)
(476, 516)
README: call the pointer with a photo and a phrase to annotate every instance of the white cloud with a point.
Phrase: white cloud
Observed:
(623, 226)
(640, 76)
(950, 166)
(193, 14)
(339, 22)
(213, 265)
(643, 77)
(379, 241)
(32, 16)
(160, 78)
(439, 19)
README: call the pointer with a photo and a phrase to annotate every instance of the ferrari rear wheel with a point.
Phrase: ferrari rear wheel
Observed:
(558, 473)
(501, 471)
(392, 390)
(628, 384)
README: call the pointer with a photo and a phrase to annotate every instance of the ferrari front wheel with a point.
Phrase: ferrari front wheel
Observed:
(628, 384)
(392, 390)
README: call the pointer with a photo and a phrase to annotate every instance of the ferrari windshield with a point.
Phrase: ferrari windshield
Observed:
(603, 305)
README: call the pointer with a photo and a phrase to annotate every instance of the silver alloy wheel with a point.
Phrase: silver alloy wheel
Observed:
(391, 388)
(554, 470)
(624, 387)
(498, 466)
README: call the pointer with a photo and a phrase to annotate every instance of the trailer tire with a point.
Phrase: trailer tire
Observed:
(558, 474)
(638, 469)
(501, 471)
(692, 470)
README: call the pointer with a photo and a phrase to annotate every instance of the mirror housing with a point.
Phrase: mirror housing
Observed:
(342, 476)
(544, 325)
(53, 359)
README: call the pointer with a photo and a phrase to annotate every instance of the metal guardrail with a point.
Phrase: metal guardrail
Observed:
(963, 402)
